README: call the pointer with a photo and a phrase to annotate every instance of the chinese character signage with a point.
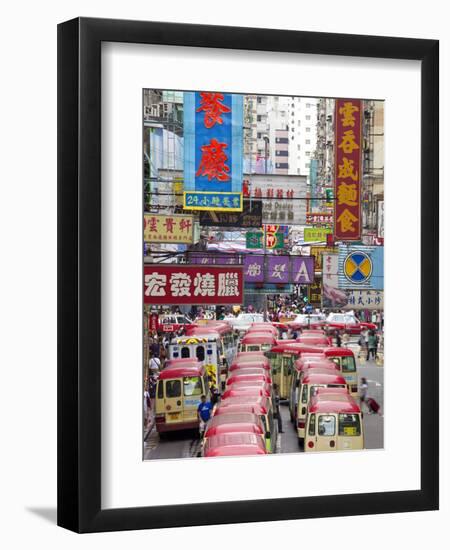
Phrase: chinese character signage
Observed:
(318, 252)
(315, 234)
(364, 299)
(361, 267)
(251, 216)
(282, 196)
(278, 269)
(253, 268)
(315, 293)
(213, 151)
(187, 284)
(332, 297)
(319, 218)
(348, 168)
(168, 229)
(254, 239)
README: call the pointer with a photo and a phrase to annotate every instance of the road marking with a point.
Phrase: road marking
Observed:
(377, 384)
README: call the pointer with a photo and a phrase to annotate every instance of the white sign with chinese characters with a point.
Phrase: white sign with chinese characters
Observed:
(364, 299)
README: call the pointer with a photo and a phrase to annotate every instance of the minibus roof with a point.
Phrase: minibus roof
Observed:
(312, 378)
(249, 368)
(235, 444)
(333, 403)
(248, 354)
(338, 352)
(233, 405)
(179, 371)
(326, 365)
(182, 362)
(245, 365)
(248, 391)
(312, 340)
(233, 417)
(253, 377)
(259, 338)
(295, 348)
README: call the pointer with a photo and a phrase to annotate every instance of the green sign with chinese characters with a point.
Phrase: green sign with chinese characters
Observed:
(316, 234)
(254, 239)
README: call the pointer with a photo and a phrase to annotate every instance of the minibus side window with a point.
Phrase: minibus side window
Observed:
(185, 352)
(312, 425)
(326, 425)
(305, 393)
(348, 364)
(252, 348)
(337, 361)
(160, 389)
(349, 424)
(192, 386)
(173, 388)
(200, 353)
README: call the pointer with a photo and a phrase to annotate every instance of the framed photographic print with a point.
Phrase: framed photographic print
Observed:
(248, 275)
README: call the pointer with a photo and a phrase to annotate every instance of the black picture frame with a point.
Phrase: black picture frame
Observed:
(79, 274)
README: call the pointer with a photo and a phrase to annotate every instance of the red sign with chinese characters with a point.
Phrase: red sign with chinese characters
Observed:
(348, 168)
(192, 284)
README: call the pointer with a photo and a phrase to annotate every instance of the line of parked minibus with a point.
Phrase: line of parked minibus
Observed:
(318, 381)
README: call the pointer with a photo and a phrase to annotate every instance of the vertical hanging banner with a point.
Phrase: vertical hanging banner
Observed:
(213, 151)
(348, 170)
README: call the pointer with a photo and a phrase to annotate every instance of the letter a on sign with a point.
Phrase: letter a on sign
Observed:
(302, 272)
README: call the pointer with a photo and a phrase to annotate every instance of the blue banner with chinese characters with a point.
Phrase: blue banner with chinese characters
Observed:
(213, 155)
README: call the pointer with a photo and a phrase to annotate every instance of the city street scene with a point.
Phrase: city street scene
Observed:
(263, 281)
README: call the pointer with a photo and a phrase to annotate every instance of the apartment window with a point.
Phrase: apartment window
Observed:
(258, 100)
(292, 114)
(259, 135)
(308, 129)
(258, 118)
(307, 141)
(292, 105)
(298, 147)
(308, 153)
(308, 105)
(307, 164)
(308, 117)
(298, 170)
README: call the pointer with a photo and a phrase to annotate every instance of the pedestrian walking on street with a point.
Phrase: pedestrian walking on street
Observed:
(363, 389)
(345, 339)
(276, 393)
(337, 335)
(371, 345)
(204, 414)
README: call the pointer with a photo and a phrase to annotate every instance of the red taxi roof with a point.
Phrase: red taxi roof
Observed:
(234, 444)
(234, 417)
(311, 331)
(260, 327)
(234, 426)
(316, 378)
(259, 338)
(338, 352)
(333, 403)
(179, 371)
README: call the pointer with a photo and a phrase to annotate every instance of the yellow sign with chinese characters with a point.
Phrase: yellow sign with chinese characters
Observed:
(175, 228)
